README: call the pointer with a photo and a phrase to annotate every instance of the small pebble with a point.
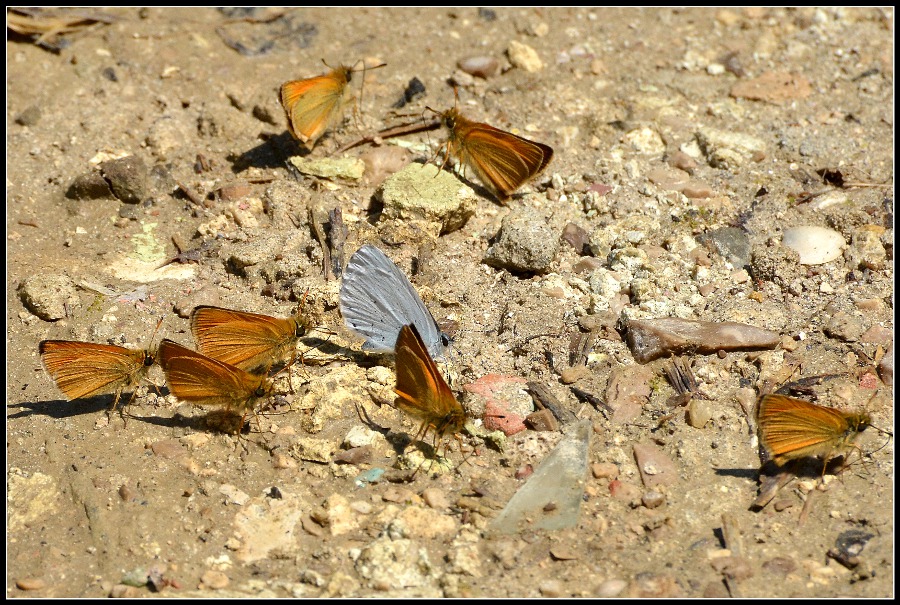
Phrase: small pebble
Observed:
(783, 504)
(525, 471)
(361, 507)
(214, 580)
(624, 491)
(653, 499)
(126, 493)
(610, 589)
(356, 455)
(89, 186)
(542, 420)
(233, 495)
(122, 591)
(551, 589)
(525, 243)
(30, 584)
(235, 192)
(683, 161)
(845, 326)
(699, 412)
(604, 470)
(655, 465)
(480, 67)
(562, 552)
(780, 565)
(435, 498)
(168, 448)
(587, 264)
(734, 567)
(524, 57)
(30, 116)
(578, 238)
(574, 374)
(47, 295)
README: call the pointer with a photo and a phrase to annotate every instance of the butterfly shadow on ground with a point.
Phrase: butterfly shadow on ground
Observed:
(742, 473)
(60, 408)
(399, 441)
(213, 421)
(273, 152)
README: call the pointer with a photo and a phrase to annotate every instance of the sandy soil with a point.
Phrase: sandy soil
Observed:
(166, 504)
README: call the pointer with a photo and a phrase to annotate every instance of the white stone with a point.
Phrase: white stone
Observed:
(815, 245)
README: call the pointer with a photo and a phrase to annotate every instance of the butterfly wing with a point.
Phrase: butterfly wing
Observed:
(421, 390)
(501, 159)
(244, 340)
(312, 104)
(82, 369)
(792, 428)
(376, 300)
(201, 380)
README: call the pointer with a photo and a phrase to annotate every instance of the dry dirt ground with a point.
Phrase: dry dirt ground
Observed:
(668, 126)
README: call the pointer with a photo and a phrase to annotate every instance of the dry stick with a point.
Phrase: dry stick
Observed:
(770, 486)
(320, 236)
(731, 534)
(544, 398)
(337, 237)
(394, 131)
(190, 193)
(600, 405)
(807, 506)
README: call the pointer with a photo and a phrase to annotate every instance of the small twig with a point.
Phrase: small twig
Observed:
(543, 397)
(600, 405)
(190, 193)
(807, 507)
(394, 131)
(731, 534)
(320, 236)
(337, 237)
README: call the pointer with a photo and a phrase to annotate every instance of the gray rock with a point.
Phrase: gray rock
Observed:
(395, 564)
(845, 326)
(866, 250)
(732, 243)
(30, 116)
(525, 244)
(728, 149)
(48, 296)
(127, 177)
(89, 186)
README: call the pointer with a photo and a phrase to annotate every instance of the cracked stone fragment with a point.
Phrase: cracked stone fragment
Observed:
(650, 339)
